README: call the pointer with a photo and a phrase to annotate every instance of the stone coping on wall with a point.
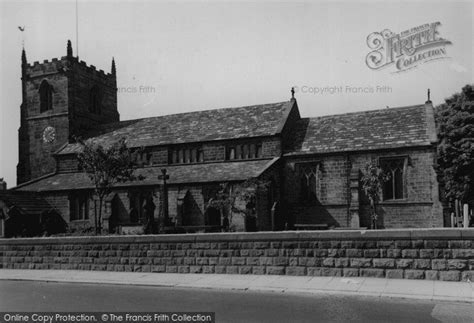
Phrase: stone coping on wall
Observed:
(387, 234)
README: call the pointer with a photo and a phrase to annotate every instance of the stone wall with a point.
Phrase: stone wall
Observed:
(214, 152)
(271, 147)
(159, 155)
(433, 254)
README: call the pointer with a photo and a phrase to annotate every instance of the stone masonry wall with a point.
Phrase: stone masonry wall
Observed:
(271, 147)
(68, 163)
(433, 254)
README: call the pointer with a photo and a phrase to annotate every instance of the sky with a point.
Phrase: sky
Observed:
(181, 56)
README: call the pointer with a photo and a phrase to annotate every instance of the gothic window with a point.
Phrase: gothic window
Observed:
(309, 182)
(46, 96)
(94, 100)
(393, 188)
(79, 206)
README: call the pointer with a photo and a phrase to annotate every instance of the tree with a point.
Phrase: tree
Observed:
(106, 166)
(455, 151)
(247, 192)
(227, 197)
(222, 200)
(372, 182)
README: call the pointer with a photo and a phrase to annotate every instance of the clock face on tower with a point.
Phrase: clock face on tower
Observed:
(49, 134)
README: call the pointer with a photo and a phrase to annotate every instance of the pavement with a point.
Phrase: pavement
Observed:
(375, 287)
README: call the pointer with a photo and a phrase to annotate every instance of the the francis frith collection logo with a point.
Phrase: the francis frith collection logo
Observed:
(406, 50)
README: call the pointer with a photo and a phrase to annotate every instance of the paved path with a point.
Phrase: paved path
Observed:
(402, 288)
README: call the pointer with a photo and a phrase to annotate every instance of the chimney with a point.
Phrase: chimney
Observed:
(3, 185)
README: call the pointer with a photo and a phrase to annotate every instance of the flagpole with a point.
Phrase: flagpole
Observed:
(77, 30)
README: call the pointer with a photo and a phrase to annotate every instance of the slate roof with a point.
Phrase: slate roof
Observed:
(377, 129)
(195, 173)
(209, 125)
(26, 202)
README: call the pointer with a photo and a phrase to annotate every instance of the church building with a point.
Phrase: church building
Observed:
(312, 166)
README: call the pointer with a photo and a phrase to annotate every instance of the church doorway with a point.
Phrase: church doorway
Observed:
(213, 217)
(114, 219)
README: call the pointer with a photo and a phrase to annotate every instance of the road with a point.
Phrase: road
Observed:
(230, 306)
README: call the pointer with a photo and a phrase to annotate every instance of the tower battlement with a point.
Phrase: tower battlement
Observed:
(62, 98)
(57, 64)
(92, 69)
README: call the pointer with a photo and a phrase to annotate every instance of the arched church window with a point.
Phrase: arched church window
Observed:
(95, 100)
(394, 187)
(309, 179)
(46, 96)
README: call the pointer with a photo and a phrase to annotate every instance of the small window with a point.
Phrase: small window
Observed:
(186, 155)
(79, 207)
(238, 152)
(252, 151)
(200, 155)
(46, 96)
(95, 100)
(393, 188)
(231, 153)
(142, 157)
(258, 153)
(175, 157)
(245, 152)
(146, 158)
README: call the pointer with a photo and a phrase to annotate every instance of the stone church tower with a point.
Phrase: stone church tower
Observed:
(62, 98)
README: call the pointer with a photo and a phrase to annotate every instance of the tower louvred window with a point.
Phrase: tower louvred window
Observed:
(46, 96)
(95, 100)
